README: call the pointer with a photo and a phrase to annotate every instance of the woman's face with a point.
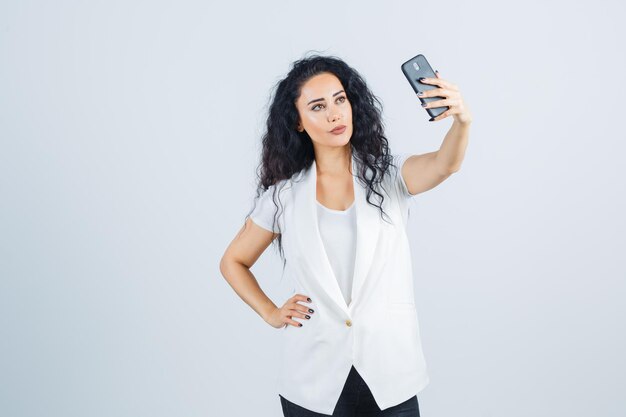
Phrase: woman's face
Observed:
(322, 106)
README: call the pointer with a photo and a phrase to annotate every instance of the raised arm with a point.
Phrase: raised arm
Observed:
(426, 171)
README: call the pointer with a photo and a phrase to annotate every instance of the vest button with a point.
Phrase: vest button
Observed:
(348, 323)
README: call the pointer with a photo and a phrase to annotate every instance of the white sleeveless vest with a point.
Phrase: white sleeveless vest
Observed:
(379, 332)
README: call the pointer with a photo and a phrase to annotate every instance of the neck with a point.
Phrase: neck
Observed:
(334, 161)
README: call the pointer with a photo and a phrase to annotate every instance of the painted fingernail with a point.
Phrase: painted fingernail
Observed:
(421, 79)
(310, 310)
(307, 316)
(308, 299)
(424, 104)
(300, 324)
(420, 93)
(432, 119)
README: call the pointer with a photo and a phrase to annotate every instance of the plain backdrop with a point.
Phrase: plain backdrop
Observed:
(130, 134)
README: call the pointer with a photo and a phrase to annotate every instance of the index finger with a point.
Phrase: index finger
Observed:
(442, 83)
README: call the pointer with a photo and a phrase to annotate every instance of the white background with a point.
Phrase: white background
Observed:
(130, 133)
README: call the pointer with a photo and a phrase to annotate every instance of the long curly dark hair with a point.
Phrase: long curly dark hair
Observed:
(287, 152)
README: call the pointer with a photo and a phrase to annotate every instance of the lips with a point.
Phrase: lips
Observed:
(339, 129)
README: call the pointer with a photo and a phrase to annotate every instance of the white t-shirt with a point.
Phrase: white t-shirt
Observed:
(337, 228)
(338, 232)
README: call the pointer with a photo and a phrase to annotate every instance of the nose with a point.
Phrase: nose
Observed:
(334, 112)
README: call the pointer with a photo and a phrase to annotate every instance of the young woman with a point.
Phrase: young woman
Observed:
(336, 202)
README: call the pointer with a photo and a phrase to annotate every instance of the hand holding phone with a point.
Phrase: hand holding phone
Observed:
(416, 68)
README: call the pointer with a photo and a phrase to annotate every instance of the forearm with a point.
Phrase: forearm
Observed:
(247, 288)
(450, 155)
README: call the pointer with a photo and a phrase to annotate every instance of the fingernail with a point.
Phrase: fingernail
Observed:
(300, 325)
(421, 79)
(310, 310)
(420, 93)
(308, 299)
(424, 104)
(307, 316)
(431, 119)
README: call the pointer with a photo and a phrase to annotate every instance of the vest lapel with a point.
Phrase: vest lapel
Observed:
(312, 246)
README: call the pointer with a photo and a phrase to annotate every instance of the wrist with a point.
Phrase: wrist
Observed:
(268, 312)
(466, 122)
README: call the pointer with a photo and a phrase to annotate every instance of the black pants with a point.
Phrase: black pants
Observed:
(356, 400)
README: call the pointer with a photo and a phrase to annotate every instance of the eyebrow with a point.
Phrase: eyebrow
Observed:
(321, 99)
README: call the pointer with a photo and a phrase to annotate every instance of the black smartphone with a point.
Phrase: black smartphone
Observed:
(416, 68)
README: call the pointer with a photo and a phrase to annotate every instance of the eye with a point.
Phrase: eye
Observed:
(342, 98)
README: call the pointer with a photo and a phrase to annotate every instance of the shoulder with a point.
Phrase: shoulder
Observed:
(393, 176)
(398, 160)
(275, 194)
(280, 187)
(269, 206)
